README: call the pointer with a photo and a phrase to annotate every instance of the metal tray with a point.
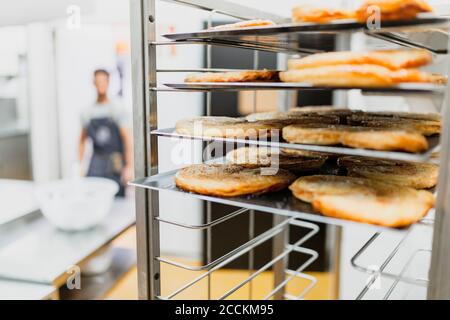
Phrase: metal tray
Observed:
(281, 203)
(404, 88)
(291, 36)
(433, 142)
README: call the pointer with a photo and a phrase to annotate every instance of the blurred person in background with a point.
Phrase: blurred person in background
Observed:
(106, 124)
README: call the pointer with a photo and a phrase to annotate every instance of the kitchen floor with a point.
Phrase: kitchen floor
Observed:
(222, 280)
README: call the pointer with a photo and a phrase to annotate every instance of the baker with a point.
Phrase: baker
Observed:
(105, 124)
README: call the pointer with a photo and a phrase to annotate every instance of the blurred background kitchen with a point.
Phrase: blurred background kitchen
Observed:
(49, 50)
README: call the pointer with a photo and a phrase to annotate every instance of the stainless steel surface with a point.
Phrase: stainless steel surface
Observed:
(395, 155)
(291, 37)
(282, 203)
(145, 147)
(35, 251)
(404, 88)
(231, 9)
(439, 287)
(18, 290)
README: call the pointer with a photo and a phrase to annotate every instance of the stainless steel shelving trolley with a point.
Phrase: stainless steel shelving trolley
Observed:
(428, 31)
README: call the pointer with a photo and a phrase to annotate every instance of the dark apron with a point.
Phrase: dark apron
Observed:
(108, 157)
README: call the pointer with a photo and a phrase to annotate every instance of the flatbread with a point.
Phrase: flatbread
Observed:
(227, 127)
(392, 59)
(235, 76)
(292, 118)
(344, 75)
(230, 180)
(244, 24)
(409, 174)
(392, 10)
(308, 13)
(425, 127)
(387, 139)
(264, 157)
(363, 200)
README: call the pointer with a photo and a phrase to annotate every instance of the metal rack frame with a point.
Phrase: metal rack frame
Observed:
(145, 88)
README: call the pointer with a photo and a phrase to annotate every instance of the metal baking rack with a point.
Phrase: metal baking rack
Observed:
(282, 38)
(433, 143)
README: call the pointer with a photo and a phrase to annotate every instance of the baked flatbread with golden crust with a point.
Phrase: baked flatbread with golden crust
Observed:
(413, 75)
(227, 127)
(392, 10)
(291, 117)
(425, 127)
(384, 139)
(234, 76)
(308, 13)
(387, 139)
(343, 75)
(244, 24)
(409, 174)
(230, 180)
(305, 153)
(395, 59)
(406, 115)
(264, 157)
(364, 200)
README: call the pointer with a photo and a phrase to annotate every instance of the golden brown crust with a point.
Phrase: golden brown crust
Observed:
(293, 117)
(265, 157)
(425, 127)
(392, 10)
(236, 76)
(363, 200)
(307, 13)
(226, 127)
(345, 75)
(230, 180)
(410, 174)
(244, 24)
(392, 59)
(387, 139)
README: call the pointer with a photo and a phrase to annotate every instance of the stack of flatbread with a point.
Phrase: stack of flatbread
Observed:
(382, 68)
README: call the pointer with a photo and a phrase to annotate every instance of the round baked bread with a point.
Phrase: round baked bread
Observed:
(392, 59)
(304, 153)
(314, 134)
(264, 157)
(410, 174)
(227, 127)
(392, 10)
(244, 24)
(363, 200)
(309, 13)
(235, 76)
(342, 75)
(294, 117)
(230, 180)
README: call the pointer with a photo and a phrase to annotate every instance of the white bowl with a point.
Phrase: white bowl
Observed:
(76, 204)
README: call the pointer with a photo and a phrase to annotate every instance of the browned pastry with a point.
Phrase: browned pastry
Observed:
(425, 127)
(235, 76)
(230, 180)
(244, 24)
(392, 59)
(387, 139)
(308, 13)
(413, 75)
(264, 157)
(384, 139)
(391, 10)
(406, 115)
(292, 118)
(226, 127)
(410, 174)
(305, 153)
(343, 75)
(364, 200)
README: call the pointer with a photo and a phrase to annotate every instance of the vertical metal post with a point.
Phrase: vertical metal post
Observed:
(145, 147)
(439, 275)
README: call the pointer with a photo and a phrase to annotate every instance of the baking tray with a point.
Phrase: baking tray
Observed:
(281, 203)
(404, 88)
(291, 36)
(433, 142)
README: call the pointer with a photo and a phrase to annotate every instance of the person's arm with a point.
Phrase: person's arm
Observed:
(82, 144)
(127, 173)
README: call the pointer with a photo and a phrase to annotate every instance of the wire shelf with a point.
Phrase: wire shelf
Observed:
(433, 143)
